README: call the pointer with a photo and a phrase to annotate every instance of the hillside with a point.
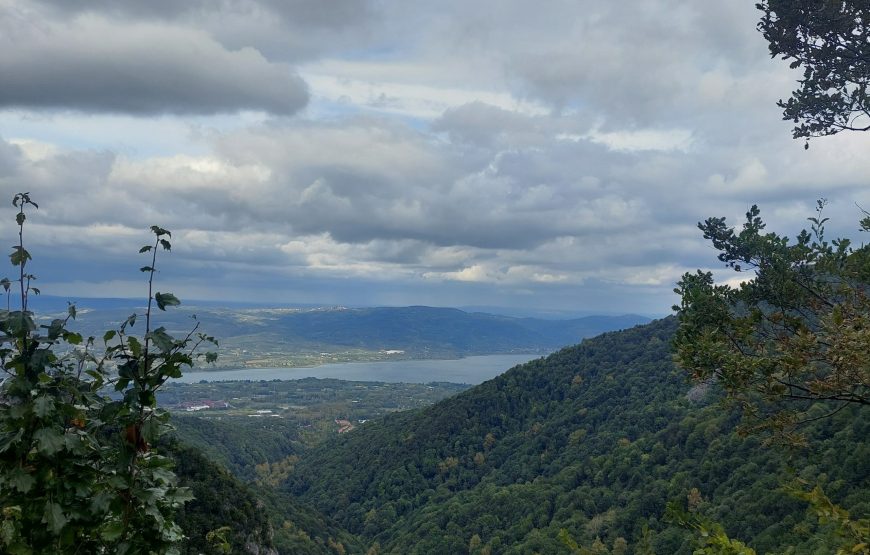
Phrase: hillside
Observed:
(594, 439)
(251, 519)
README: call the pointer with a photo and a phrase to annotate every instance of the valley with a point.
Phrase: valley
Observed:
(587, 445)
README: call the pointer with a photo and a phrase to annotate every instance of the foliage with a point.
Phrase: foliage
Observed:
(411, 482)
(851, 536)
(78, 471)
(713, 539)
(846, 535)
(224, 515)
(830, 40)
(793, 336)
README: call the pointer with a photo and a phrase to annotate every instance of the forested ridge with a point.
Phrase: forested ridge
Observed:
(595, 440)
(227, 515)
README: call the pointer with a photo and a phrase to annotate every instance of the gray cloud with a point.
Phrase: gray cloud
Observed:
(94, 65)
(9, 159)
(283, 30)
(302, 13)
(530, 155)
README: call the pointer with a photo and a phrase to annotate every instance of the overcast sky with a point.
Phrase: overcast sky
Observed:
(551, 155)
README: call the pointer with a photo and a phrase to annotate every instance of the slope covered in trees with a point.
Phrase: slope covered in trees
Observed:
(594, 439)
(228, 516)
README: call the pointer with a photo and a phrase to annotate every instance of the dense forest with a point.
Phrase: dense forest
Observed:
(595, 440)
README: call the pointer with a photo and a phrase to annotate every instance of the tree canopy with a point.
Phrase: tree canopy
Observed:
(830, 41)
(795, 334)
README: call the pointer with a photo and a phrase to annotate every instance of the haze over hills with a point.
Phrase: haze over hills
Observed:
(258, 336)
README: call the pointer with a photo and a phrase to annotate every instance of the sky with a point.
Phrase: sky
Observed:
(552, 155)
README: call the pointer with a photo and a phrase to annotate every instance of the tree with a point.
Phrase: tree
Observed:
(830, 40)
(78, 467)
(790, 343)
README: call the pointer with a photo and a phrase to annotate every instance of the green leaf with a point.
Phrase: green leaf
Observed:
(210, 357)
(162, 340)
(7, 532)
(166, 299)
(19, 218)
(146, 269)
(112, 531)
(181, 495)
(101, 502)
(109, 335)
(146, 248)
(19, 256)
(71, 310)
(135, 346)
(159, 231)
(43, 406)
(73, 338)
(54, 517)
(9, 439)
(21, 480)
(166, 245)
(55, 328)
(50, 441)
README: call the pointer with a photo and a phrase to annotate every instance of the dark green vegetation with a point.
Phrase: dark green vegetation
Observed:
(243, 518)
(297, 337)
(793, 338)
(830, 41)
(78, 471)
(595, 440)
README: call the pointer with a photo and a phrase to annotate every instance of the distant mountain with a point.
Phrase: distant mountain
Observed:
(422, 329)
(307, 336)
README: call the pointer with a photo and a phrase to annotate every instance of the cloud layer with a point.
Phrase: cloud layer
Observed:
(497, 153)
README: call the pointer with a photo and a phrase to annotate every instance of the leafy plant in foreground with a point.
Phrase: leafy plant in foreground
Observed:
(77, 469)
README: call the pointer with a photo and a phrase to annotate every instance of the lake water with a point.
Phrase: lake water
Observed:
(470, 370)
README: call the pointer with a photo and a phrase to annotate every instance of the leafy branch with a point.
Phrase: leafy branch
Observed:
(78, 471)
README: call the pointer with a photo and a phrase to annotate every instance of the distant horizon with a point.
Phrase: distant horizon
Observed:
(58, 302)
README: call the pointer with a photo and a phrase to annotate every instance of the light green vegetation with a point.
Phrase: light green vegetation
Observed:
(267, 421)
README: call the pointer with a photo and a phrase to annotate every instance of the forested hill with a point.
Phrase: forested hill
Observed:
(246, 518)
(594, 439)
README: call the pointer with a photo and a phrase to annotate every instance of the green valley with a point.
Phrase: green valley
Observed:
(587, 446)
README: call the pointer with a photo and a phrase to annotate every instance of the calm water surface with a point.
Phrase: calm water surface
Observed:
(470, 370)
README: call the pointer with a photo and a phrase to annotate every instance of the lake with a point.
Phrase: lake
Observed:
(470, 370)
